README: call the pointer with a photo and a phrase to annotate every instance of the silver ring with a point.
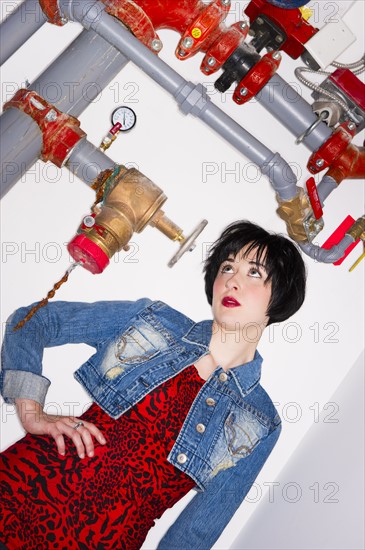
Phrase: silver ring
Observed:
(312, 127)
(78, 424)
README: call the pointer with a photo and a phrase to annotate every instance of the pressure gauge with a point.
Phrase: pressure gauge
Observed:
(125, 116)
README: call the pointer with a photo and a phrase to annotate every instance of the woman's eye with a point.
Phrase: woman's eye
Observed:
(254, 272)
(227, 268)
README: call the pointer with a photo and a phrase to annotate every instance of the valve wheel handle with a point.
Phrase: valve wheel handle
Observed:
(188, 244)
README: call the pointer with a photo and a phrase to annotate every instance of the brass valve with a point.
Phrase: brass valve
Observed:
(298, 215)
(131, 201)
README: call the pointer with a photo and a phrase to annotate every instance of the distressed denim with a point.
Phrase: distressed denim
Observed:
(230, 429)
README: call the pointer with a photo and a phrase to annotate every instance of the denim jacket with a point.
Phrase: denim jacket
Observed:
(230, 429)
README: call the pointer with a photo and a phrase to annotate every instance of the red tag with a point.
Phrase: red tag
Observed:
(338, 235)
(314, 198)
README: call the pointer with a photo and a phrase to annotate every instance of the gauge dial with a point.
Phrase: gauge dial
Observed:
(125, 116)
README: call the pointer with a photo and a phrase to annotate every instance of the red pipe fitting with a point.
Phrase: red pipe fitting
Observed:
(327, 154)
(201, 26)
(223, 46)
(200, 30)
(51, 10)
(350, 164)
(60, 131)
(137, 21)
(257, 77)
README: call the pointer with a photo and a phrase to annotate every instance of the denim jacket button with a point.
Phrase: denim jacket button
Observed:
(210, 402)
(181, 458)
(223, 377)
(200, 428)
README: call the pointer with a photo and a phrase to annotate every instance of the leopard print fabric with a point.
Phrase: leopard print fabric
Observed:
(109, 501)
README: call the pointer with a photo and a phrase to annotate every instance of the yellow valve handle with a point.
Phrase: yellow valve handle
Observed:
(358, 260)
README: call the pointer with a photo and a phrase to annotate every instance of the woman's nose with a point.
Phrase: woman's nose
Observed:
(232, 283)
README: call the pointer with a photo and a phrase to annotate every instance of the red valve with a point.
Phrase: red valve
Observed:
(257, 77)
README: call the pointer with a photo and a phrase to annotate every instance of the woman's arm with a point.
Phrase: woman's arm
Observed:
(202, 521)
(54, 325)
(21, 378)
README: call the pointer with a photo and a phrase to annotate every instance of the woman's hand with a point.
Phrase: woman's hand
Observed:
(36, 421)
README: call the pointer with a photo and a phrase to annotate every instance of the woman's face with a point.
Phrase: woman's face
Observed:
(240, 295)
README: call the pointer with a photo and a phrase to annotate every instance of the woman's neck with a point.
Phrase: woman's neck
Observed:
(233, 348)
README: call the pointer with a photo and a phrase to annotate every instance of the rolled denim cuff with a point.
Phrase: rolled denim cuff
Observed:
(20, 384)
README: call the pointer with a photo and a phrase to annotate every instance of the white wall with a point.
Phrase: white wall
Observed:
(306, 358)
(317, 501)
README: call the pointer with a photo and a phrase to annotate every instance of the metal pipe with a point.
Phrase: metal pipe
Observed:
(327, 256)
(20, 25)
(289, 108)
(21, 145)
(86, 162)
(192, 99)
(71, 82)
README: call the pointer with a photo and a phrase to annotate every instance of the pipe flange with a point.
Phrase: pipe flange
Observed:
(188, 244)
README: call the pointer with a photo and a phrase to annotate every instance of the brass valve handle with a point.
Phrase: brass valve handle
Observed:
(188, 244)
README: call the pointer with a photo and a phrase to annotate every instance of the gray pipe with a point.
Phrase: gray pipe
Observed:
(20, 25)
(92, 15)
(325, 188)
(79, 74)
(21, 145)
(72, 81)
(86, 161)
(192, 99)
(287, 106)
(327, 256)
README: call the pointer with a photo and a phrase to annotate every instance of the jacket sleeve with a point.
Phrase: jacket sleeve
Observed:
(203, 519)
(54, 325)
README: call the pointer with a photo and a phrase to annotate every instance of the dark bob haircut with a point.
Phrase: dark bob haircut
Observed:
(283, 262)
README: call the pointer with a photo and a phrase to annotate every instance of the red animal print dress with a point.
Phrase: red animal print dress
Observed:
(109, 501)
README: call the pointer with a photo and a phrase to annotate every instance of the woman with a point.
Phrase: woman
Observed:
(178, 405)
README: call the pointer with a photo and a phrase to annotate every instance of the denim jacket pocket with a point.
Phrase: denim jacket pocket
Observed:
(135, 346)
(242, 433)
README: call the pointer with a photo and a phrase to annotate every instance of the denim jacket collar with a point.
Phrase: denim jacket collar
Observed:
(200, 334)
(246, 376)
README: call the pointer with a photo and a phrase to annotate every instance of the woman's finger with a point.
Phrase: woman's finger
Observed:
(59, 439)
(87, 440)
(95, 432)
(68, 428)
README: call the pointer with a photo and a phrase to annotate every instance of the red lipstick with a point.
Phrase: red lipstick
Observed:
(228, 301)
